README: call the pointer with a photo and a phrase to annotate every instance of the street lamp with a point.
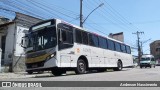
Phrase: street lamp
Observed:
(142, 42)
(82, 22)
(92, 12)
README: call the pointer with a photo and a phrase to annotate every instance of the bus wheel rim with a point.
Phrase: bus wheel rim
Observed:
(82, 67)
(120, 65)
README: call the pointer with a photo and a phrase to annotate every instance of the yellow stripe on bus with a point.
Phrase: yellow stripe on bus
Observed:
(37, 59)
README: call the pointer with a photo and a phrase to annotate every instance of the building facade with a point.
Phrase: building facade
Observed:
(117, 36)
(155, 49)
(11, 34)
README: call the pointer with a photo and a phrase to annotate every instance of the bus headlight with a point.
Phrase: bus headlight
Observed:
(51, 56)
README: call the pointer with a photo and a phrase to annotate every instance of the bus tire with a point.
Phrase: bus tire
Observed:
(30, 72)
(81, 67)
(119, 66)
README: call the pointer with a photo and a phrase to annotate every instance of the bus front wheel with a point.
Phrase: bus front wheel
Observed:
(30, 72)
(81, 67)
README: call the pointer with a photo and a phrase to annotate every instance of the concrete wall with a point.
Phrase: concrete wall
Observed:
(18, 64)
(20, 32)
(9, 44)
(14, 54)
(19, 52)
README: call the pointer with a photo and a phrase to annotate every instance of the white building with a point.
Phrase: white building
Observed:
(11, 34)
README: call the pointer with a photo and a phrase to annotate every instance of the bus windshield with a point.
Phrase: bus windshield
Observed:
(43, 38)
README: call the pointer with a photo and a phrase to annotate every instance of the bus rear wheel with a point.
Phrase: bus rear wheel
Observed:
(119, 66)
(81, 67)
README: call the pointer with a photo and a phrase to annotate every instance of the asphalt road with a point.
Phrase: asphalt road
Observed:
(127, 74)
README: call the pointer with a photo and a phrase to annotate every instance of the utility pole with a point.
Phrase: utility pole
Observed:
(143, 42)
(141, 48)
(81, 16)
(138, 44)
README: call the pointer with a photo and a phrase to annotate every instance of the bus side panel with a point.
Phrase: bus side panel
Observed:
(110, 58)
(50, 63)
(126, 59)
(129, 60)
(65, 57)
(82, 50)
(97, 57)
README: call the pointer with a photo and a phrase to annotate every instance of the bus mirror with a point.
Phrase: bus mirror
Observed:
(60, 39)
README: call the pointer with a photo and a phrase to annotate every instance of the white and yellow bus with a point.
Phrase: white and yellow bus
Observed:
(59, 46)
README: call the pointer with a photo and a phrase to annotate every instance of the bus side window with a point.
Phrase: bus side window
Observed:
(78, 36)
(111, 45)
(93, 40)
(117, 47)
(67, 36)
(64, 36)
(128, 49)
(85, 38)
(123, 48)
(102, 42)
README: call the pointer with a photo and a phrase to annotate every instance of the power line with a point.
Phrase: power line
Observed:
(33, 9)
(7, 9)
(116, 18)
(10, 13)
(64, 9)
(147, 22)
(103, 14)
(120, 16)
(97, 30)
(123, 22)
(43, 8)
(52, 9)
(95, 25)
(20, 8)
(81, 17)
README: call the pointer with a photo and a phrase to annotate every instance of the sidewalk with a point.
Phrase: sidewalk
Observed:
(14, 75)
(18, 75)
(4, 74)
